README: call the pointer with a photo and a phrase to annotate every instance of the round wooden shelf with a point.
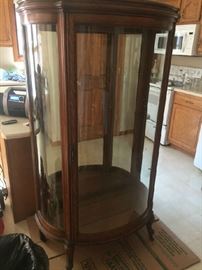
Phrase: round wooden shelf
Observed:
(109, 198)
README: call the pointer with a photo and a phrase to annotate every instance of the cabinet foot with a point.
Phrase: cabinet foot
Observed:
(149, 227)
(70, 255)
(42, 237)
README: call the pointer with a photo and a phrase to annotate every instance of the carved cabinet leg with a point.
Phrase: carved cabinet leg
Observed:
(149, 227)
(70, 255)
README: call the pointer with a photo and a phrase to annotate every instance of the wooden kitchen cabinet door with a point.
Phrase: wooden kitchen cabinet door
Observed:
(184, 129)
(6, 7)
(190, 11)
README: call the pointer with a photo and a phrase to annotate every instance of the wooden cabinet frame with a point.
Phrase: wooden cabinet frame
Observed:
(186, 120)
(110, 18)
(190, 11)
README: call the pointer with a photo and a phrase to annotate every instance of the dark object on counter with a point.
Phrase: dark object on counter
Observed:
(14, 102)
(19, 252)
(9, 122)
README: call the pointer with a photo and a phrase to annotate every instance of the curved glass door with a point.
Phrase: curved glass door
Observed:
(44, 76)
(110, 196)
(113, 107)
(153, 107)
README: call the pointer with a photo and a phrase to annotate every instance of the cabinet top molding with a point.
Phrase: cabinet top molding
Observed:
(112, 7)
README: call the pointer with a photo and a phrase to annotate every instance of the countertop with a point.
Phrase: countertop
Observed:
(5, 87)
(188, 92)
(11, 83)
(14, 131)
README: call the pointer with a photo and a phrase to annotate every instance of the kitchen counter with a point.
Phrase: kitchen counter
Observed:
(185, 120)
(11, 83)
(188, 92)
(16, 130)
(17, 165)
(3, 87)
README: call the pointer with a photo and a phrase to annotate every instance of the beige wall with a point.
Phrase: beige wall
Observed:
(187, 61)
(7, 60)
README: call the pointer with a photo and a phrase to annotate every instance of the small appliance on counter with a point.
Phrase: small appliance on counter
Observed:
(14, 102)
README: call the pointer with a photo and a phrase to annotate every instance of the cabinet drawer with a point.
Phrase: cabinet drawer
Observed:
(188, 101)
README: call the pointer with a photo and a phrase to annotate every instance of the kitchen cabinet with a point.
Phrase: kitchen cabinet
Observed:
(16, 162)
(8, 28)
(190, 11)
(6, 13)
(185, 121)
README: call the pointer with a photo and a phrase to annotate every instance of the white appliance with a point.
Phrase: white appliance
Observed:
(198, 155)
(152, 111)
(185, 40)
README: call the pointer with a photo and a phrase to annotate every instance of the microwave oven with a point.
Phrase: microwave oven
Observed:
(185, 40)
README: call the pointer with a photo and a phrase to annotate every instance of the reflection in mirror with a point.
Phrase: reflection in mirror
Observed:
(129, 49)
(91, 88)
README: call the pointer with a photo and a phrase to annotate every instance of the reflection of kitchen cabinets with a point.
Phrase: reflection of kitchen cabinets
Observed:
(18, 172)
(190, 11)
(6, 7)
(185, 121)
(92, 84)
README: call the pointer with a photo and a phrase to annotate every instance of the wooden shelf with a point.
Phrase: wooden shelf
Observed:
(109, 199)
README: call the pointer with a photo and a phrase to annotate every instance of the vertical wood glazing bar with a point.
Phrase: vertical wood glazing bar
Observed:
(160, 115)
(31, 109)
(109, 104)
(73, 120)
(62, 36)
(147, 52)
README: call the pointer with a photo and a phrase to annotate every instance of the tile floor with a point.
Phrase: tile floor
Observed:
(177, 202)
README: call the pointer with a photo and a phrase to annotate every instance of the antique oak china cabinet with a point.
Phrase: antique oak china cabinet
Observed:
(89, 66)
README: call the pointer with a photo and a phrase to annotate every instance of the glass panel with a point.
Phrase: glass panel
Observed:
(152, 111)
(44, 74)
(129, 191)
(91, 96)
(129, 47)
(109, 195)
